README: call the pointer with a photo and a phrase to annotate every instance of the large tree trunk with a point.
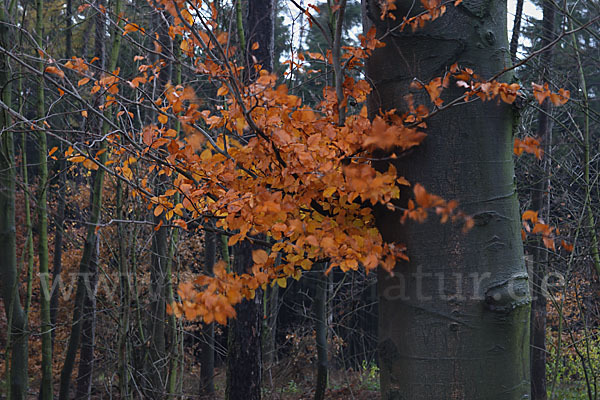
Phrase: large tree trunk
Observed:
(454, 321)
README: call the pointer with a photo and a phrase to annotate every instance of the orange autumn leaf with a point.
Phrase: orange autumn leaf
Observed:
(54, 70)
(530, 215)
(528, 145)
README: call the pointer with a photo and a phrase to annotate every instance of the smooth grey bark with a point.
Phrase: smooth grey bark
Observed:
(538, 203)
(454, 321)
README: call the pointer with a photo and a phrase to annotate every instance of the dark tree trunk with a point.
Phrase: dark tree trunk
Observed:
(9, 279)
(243, 347)
(454, 321)
(320, 312)
(88, 332)
(244, 365)
(260, 28)
(514, 41)
(58, 247)
(158, 274)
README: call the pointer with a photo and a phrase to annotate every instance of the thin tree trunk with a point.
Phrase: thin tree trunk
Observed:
(516, 32)
(125, 298)
(454, 321)
(320, 310)
(207, 344)
(88, 331)
(61, 203)
(87, 272)
(585, 105)
(158, 274)
(157, 308)
(175, 337)
(17, 337)
(46, 391)
(538, 203)
(58, 247)
(172, 320)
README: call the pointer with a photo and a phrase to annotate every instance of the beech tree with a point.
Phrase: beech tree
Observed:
(388, 153)
(458, 311)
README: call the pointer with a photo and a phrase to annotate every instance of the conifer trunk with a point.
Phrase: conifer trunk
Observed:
(454, 321)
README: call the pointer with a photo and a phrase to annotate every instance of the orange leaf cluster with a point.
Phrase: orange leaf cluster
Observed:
(418, 209)
(532, 224)
(541, 93)
(262, 163)
(528, 145)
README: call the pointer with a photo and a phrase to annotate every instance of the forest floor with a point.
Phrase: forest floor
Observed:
(346, 385)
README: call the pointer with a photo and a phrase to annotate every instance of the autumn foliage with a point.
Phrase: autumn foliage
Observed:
(264, 165)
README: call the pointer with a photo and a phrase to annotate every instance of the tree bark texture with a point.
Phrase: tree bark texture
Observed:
(454, 321)
(244, 363)
(260, 28)
(243, 347)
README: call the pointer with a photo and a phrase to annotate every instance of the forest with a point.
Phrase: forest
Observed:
(296, 199)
